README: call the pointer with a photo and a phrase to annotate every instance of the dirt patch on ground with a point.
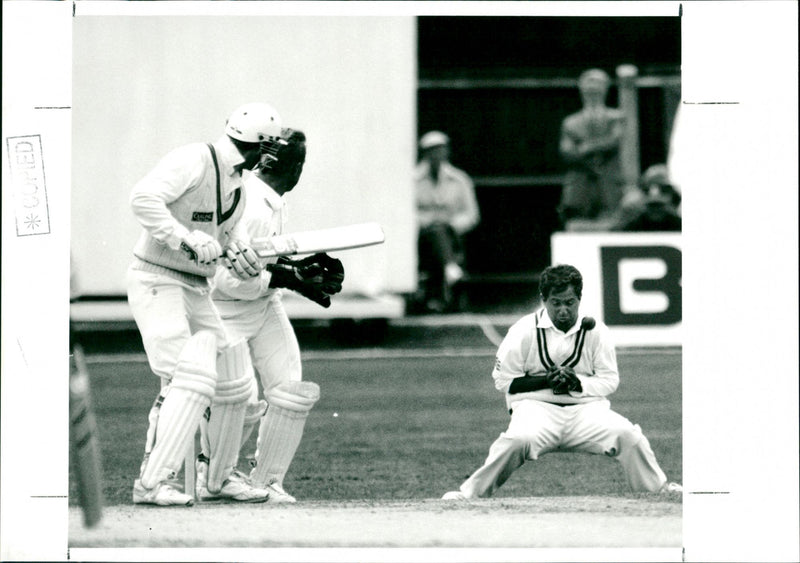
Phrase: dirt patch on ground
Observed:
(499, 522)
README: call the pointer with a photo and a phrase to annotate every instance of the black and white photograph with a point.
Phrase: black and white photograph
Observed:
(390, 281)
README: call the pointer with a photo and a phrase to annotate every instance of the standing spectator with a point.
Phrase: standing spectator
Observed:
(446, 210)
(655, 207)
(590, 146)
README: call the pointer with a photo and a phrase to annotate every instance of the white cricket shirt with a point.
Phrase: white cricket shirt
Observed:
(264, 215)
(179, 195)
(533, 343)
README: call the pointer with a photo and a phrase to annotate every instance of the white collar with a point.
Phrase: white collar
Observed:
(228, 153)
(543, 321)
(273, 198)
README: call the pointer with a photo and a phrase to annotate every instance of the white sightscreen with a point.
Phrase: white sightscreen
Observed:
(143, 85)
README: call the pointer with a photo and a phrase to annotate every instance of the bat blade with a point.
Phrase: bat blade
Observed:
(320, 240)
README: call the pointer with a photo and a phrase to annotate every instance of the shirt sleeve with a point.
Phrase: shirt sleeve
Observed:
(510, 359)
(248, 289)
(468, 214)
(176, 173)
(568, 142)
(605, 379)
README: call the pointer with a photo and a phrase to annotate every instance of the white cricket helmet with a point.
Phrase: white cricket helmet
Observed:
(256, 123)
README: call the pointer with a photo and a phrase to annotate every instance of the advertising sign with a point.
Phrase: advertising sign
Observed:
(632, 282)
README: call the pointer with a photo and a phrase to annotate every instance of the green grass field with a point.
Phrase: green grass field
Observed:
(406, 428)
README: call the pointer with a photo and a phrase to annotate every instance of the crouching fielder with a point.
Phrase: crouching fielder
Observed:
(252, 309)
(190, 205)
(556, 370)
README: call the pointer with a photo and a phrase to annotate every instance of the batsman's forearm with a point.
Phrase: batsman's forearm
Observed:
(528, 383)
(152, 213)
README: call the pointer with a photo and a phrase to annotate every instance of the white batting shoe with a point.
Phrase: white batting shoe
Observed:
(236, 488)
(454, 495)
(163, 494)
(278, 495)
(671, 487)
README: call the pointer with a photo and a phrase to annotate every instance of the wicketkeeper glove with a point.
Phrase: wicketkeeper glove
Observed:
(316, 277)
(562, 380)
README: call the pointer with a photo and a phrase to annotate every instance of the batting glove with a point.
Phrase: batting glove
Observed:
(242, 260)
(201, 247)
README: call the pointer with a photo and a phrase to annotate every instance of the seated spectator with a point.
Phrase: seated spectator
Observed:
(590, 147)
(656, 206)
(446, 210)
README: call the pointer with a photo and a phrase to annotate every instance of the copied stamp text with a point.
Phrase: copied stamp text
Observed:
(26, 164)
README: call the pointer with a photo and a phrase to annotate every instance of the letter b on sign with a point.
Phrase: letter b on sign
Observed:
(641, 285)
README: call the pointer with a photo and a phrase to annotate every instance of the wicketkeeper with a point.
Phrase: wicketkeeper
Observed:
(190, 205)
(557, 370)
(252, 310)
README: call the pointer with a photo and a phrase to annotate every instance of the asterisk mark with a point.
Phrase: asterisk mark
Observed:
(32, 221)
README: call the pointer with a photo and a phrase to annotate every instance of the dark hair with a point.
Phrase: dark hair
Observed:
(290, 154)
(558, 278)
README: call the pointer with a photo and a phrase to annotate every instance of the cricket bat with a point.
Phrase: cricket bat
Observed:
(84, 442)
(320, 240)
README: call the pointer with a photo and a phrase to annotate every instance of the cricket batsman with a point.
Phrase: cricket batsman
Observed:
(190, 207)
(252, 309)
(557, 369)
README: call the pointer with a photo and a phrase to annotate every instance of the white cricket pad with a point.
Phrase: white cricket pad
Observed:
(254, 410)
(282, 429)
(320, 240)
(175, 421)
(224, 428)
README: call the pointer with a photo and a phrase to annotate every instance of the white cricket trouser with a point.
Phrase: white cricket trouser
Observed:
(537, 428)
(167, 313)
(275, 354)
(273, 343)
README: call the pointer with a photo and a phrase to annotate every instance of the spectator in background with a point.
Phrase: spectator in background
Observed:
(655, 207)
(446, 210)
(590, 146)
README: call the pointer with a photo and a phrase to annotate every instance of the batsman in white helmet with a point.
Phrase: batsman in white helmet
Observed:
(252, 309)
(557, 369)
(190, 207)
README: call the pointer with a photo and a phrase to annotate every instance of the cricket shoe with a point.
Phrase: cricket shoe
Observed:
(671, 487)
(163, 494)
(278, 495)
(454, 495)
(236, 488)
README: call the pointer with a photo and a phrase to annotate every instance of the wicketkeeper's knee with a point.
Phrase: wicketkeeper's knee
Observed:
(296, 396)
